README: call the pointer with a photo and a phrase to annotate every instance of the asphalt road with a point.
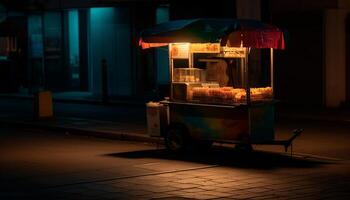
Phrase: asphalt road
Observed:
(36, 164)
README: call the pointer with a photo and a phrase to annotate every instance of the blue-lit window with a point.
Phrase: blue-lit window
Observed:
(73, 43)
(35, 36)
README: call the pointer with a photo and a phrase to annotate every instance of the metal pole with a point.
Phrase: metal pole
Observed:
(242, 72)
(104, 81)
(190, 61)
(247, 85)
(272, 72)
(171, 73)
(246, 73)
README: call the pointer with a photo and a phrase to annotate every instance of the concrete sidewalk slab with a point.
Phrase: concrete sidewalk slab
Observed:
(103, 129)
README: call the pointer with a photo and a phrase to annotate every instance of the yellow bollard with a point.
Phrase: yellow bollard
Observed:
(43, 105)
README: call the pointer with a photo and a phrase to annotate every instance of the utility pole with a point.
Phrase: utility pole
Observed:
(104, 75)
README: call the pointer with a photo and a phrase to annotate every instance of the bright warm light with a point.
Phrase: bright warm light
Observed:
(180, 50)
(233, 52)
(205, 47)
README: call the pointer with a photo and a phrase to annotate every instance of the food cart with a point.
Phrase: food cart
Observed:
(211, 98)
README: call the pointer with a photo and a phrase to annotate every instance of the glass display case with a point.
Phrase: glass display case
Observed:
(189, 75)
(217, 79)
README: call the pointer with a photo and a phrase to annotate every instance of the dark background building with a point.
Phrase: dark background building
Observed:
(59, 45)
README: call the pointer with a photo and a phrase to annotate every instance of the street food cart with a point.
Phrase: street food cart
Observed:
(211, 98)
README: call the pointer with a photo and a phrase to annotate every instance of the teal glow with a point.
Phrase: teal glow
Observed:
(73, 37)
(35, 36)
(162, 14)
(3, 57)
(110, 39)
(102, 14)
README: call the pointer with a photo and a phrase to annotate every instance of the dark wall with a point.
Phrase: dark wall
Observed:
(302, 5)
(348, 60)
(14, 71)
(143, 67)
(299, 68)
(202, 9)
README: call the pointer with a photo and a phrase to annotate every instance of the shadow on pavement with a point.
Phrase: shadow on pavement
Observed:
(229, 157)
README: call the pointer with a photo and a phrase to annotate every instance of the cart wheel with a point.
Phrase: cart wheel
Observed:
(176, 139)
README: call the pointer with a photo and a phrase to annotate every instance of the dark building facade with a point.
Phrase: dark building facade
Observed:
(59, 45)
(66, 41)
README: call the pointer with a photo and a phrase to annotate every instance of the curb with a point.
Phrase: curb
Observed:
(86, 132)
(313, 119)
(82, 101)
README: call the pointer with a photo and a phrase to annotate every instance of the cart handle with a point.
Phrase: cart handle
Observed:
(296, 133)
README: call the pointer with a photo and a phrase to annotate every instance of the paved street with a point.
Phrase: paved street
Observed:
(38, 164)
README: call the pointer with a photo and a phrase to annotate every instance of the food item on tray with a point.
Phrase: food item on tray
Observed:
(200, 93)
(229, 94)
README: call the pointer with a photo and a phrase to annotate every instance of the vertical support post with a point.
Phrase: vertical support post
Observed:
(246, 73)
(104, 81)
(242, 72)
(171, 73)
(247, 87)
(272, 72)
(190, 57)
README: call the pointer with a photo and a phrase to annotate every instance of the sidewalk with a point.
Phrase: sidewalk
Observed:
(78, 97)
(95, 128)
(341, 115)
(122, 121)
